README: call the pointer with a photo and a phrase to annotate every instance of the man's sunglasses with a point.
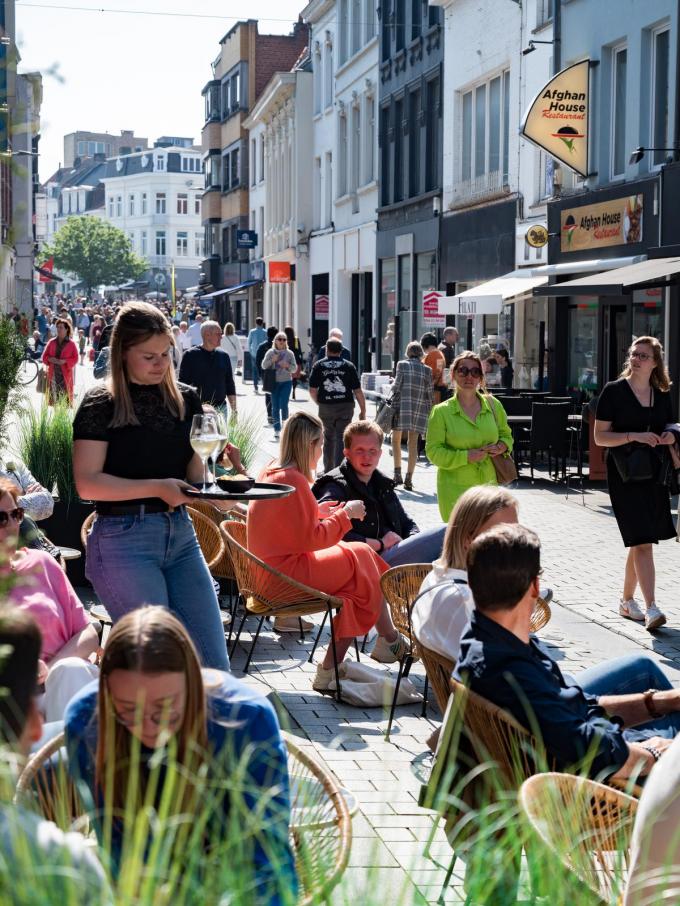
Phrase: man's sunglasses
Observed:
(16, 514)
(465, 371)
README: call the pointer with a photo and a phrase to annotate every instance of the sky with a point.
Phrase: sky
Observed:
(123, 69)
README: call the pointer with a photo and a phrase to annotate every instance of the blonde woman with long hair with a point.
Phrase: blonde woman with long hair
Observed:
(157, 728)
(303, 539)
(633, 412)
(132, 456)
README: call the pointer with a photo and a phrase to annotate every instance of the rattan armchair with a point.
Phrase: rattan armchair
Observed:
(438, 670)
(585, 824)
(267, 592)
(400, 586)
(320, 827)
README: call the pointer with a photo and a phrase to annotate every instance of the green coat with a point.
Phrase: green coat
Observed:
(450, 434)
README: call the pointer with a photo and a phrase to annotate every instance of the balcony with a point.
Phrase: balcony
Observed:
(486, 187)
(211, 205)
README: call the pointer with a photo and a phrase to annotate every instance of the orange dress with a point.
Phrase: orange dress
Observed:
(288, 535)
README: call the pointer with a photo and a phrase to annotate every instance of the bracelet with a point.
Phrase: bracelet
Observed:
(653, 751)
(648, 699)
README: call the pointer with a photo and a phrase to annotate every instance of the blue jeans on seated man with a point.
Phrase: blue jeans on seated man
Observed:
(280, 397)
(155, 558)
(424, 547)
(628, 675)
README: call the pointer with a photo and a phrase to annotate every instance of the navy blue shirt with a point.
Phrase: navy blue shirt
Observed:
(209, 372)
(496, 664)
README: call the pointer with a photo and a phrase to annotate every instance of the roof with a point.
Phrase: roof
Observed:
(618, 282)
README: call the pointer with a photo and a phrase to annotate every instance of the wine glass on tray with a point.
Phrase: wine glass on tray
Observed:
(204, 438)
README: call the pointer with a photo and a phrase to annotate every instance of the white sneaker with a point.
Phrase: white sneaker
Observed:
(654, 618)
(324, 681)
(389, 653)
(631, 610)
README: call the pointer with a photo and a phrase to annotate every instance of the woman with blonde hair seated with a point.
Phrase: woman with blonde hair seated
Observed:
(303, 539)
(441, 614)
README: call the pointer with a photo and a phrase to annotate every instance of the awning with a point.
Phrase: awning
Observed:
(488, 298)
(619, 282)
(590, 266)
(228, 290)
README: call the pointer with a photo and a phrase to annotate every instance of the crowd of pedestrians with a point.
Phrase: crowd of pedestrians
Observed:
(164, 672)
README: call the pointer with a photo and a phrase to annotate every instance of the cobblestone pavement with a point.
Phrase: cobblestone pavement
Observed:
(583, 561)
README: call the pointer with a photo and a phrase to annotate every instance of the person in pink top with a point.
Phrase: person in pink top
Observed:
(42, 589)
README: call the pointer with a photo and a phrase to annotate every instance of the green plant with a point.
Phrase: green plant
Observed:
(12, 350)
(245, 433)
(45, 444)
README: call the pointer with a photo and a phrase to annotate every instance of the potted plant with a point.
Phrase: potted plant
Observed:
(46, 446)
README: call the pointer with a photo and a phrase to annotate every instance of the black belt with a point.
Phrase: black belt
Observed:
(134, 509)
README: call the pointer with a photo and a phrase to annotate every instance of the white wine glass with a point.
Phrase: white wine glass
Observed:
(204, 438)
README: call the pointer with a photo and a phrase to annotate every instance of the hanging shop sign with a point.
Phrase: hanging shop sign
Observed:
(537, 236)
(557, 119)
(470, 304)
(279, 272)
(321, 307)
(431, 314)
(246, 239)
(594, 226)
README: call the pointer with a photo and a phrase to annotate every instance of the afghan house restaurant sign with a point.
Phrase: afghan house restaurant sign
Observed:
(595, 226)
(557, 119)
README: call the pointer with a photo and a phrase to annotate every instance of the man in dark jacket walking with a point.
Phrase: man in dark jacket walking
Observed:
(386, 528)
(268, 377)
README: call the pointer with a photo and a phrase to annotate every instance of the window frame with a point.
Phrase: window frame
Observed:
(161, 202)
(616, 50)
(666, 141)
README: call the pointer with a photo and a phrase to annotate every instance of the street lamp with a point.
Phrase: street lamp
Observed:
(532, 45)
(637, 155)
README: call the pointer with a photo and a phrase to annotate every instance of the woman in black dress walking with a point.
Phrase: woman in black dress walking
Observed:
(636, 409)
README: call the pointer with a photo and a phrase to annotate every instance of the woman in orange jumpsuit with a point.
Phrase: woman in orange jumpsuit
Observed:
(303, 540)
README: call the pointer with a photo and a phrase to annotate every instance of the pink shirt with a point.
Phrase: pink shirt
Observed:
(44, 591)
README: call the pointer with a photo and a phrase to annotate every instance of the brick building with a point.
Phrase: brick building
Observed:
(245, 64)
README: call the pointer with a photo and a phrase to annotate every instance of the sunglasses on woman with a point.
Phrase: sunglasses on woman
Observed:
(465, 371)
(17, 515)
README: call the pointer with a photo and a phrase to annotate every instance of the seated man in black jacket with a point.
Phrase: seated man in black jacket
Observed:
(386, 528)
(612, 719)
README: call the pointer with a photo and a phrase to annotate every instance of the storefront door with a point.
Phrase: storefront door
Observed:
(616, 337)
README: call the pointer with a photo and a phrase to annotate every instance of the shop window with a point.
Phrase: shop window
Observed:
(388, 298)
(648, 313)
(426, 278)
(582, 373)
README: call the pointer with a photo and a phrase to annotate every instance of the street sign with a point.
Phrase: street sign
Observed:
(432, 316)
(246, 239)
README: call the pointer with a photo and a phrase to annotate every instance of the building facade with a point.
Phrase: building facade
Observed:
(155, 197)
(283, 114)
(81, 144)
(245, 64)
(633, 88)
(410, 109)
(25, 140)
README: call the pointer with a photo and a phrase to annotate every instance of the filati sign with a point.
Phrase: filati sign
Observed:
(557, 119)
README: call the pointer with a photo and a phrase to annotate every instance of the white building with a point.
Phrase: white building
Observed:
(487, 165)
(25, 137)
(154, 196)
(344, 48)
(283, 117)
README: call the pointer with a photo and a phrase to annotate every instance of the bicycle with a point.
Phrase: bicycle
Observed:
(28, 369)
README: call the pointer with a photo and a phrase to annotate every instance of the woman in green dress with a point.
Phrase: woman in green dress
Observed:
(464, 433)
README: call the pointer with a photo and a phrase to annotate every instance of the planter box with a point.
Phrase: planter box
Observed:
(63, 528)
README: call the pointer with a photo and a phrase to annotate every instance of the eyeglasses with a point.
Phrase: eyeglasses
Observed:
(465, 371)
(643, 356)
(165, 719)
(17, 515)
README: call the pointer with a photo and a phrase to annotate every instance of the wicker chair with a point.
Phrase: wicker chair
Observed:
(400, 586)
(269, 593)
(585, 824)
(320, 826)
(438, 670)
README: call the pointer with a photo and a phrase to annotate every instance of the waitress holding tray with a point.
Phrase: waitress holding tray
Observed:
(132, 455)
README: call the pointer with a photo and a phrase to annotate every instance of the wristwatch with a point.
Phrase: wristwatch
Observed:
(648, 699)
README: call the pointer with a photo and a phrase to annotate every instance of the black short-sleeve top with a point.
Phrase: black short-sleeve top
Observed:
(619, 405)
(158, 447)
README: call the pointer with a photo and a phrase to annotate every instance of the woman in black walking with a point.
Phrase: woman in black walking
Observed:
(636, 410)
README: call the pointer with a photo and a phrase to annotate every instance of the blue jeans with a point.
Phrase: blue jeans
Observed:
(421, 548)
(626, 676)
(155, 558)
(280, 397)
(256, 372)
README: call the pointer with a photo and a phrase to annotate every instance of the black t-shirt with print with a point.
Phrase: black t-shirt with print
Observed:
(335, 379)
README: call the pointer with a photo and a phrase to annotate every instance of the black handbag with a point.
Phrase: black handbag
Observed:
(638, 462)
